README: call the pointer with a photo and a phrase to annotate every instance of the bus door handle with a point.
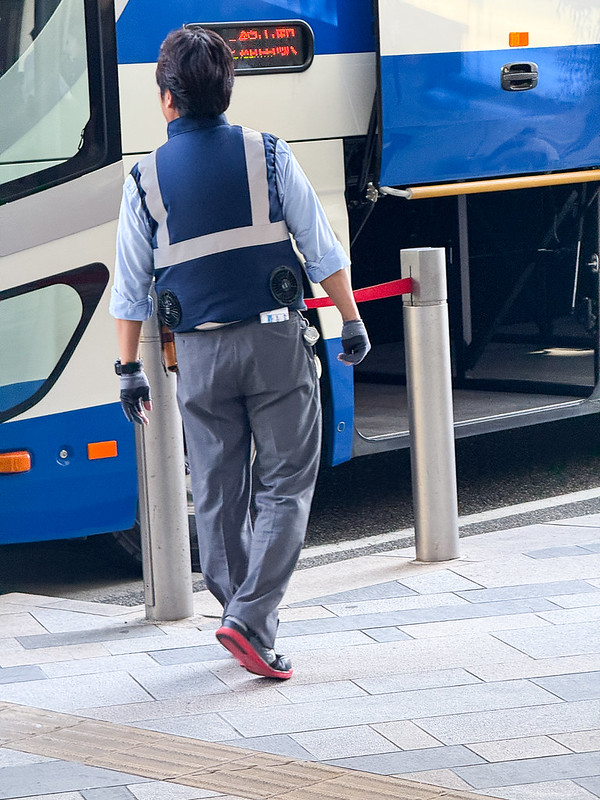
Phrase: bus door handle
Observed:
(519, 76)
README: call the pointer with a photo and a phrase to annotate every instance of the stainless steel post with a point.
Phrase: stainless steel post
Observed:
(162, 492)
(428, 378)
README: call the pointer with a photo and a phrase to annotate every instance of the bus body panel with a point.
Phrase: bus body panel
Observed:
(340, 26)
(330, 100)
(66, 494)
(446, 117)
(445, 113)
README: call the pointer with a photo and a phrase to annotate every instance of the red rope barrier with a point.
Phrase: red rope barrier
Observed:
(389, 289)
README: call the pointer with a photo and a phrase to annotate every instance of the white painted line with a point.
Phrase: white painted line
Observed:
(471, 519)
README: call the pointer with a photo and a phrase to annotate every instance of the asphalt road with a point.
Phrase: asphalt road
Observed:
(358, 500)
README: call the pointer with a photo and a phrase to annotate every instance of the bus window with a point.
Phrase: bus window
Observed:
(34, 349)
(41, 324)
(57, 94)
(43, 85)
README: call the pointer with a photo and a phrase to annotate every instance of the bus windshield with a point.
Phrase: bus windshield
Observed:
(44, 93)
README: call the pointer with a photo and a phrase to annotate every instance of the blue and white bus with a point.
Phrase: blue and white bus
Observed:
(469, 125)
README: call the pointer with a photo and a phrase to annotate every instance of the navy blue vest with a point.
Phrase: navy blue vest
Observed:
(218, 227)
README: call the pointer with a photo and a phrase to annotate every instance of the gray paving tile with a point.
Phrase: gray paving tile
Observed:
(558, 552)
(530, 668)
(406, 735)
(20, 624)
(109, 633)
(389, 604)
(300, 717)
(358, 740)
(59, 796)
(592, 784)
(92, 666)
(411, 761)
(518, 569)
(444, 778)
(579, 742)
(64, 621)
(320, 641)
(13, 655)
(321, 691)
(582, 686)
(572, 616)
(376, 591)
(557, 640)
(547, 790)
(443, 580)
(593, 547)
(157, 790)
(406, 682)
(18, 674)
(527, 590)
(167, 638)
(279, 745)
(478, 625)
(111, 793)
(178, 680)
(59, 776)
(14, 758)
(387, 634)
(415, 616)
(188, 655)
(72, 694)
(206, 727)
(488, 726)
(517, 749)
(531, 770)
(576, 600)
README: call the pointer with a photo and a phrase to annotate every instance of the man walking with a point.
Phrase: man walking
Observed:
(208, 217)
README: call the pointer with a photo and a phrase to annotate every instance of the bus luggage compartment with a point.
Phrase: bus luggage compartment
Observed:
(523, 303)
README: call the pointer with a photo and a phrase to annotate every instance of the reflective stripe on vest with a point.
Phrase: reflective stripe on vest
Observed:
(261, 232)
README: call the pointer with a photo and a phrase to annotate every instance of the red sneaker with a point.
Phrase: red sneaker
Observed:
(247, 648)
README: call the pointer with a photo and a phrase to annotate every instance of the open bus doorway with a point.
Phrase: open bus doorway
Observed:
(523, 300)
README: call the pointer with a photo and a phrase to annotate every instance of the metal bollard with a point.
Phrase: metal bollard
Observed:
(429, 385)
(162, 492)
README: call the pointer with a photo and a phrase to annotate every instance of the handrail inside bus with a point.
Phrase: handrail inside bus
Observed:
(493, 185)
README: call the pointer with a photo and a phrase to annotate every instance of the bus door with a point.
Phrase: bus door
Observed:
(484, 91)
(60, 185)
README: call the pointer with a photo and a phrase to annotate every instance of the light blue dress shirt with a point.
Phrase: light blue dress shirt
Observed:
(302, 210)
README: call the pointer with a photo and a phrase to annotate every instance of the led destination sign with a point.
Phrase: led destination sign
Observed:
(286, 46)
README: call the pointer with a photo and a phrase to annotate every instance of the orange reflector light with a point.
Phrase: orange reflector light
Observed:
(102, 450)
(518, 39)
(19, 461)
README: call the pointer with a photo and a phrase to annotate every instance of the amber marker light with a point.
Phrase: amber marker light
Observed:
(15, 462)
(516, 39)
(102, 450)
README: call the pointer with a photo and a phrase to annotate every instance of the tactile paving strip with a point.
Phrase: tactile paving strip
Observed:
(204, 765)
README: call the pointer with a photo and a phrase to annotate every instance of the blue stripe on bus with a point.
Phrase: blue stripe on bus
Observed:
(74, 496)
(446, 117)
(12, 394)
(340, 26)
(339, 412)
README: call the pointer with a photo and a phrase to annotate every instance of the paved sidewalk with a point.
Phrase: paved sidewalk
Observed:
(476, 677)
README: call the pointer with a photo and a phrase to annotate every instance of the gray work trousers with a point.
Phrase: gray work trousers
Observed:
(237, 383)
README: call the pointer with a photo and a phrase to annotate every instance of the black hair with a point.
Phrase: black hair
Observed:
(196, 66)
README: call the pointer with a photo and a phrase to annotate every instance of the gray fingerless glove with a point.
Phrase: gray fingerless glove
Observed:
(135, 391)
(355, 342)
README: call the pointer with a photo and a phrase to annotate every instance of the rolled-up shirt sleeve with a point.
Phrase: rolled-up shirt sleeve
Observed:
(134, 266)
(306, 219)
